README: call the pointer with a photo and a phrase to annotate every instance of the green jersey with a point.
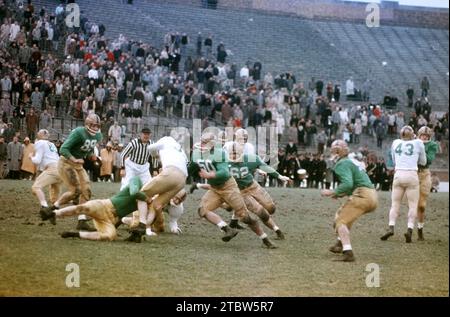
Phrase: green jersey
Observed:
(431, 149)
(80, 144)
(243, 171)
(125, 201)
(350, 177)
(215, 160)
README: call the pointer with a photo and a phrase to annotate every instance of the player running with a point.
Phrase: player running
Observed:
(79, 146)
(211, 163)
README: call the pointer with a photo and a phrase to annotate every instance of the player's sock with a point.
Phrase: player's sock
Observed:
(82, 217)
(263, 236)
(420, 225)
(221, 224)
(276, 228)
(347, 247)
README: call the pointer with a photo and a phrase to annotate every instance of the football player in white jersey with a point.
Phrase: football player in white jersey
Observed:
(166, 184)
(407, 153)
(46, 158)
(241, 137)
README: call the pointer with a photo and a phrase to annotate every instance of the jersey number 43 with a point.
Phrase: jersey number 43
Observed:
(409, 149)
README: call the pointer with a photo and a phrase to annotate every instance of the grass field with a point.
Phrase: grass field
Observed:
(33, 257)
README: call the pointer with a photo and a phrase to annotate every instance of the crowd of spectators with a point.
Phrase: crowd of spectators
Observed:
(125, 81)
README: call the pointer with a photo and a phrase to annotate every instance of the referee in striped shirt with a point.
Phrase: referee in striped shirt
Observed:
(136, 159)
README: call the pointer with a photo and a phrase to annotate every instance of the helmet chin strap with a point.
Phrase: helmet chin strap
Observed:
(91, 132)
(335, 157)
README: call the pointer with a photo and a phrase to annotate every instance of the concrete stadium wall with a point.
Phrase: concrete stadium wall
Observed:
(391, 13)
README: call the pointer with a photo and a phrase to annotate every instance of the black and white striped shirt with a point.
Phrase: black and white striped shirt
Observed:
(137, 152)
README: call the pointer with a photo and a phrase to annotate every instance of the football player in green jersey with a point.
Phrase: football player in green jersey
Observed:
(424, 134)
(78, 146)
(354, 183)
(105, 212)
(211, 163)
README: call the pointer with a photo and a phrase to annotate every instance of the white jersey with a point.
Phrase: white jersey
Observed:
(248, 147)
(170, 153)
(45, 154)
(406, 155)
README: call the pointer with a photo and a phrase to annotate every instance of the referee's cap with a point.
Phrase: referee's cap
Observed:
(146, 130)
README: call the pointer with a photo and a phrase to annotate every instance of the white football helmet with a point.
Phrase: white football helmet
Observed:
(241, 136)
(43, 134)
(207, 142)
(92, 124)
(407, 133)
(235, 152)
(339, 148)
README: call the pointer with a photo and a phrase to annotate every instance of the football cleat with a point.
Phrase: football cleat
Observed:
(230, 233)
(420, 234)
(408, 235)
(387, 235)
(48, 214)
(134, 237)
(346, 257)
(234, 223)
(139, 229)
(280, 235)
(268, 244)
(83, 225)
(337, 248)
